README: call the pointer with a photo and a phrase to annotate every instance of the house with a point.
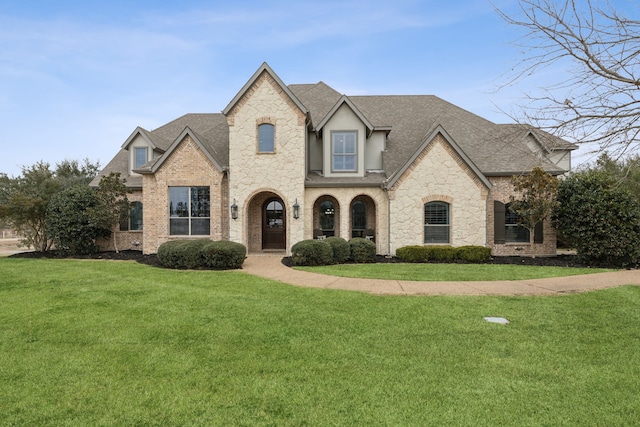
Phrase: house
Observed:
(283, 163)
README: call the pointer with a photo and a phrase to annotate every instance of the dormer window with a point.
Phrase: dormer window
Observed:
(344, 151)
(266, 142)
(140, 157)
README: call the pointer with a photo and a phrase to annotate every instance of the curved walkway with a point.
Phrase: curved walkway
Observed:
(271, 267)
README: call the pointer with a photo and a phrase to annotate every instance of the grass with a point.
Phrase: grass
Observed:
(448, 272)
(118, 343)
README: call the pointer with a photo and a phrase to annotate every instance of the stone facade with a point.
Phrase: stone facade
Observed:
(438, 174)
(253, 174)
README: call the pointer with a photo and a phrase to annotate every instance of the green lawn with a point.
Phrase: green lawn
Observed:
(118, 343)
(448, 272)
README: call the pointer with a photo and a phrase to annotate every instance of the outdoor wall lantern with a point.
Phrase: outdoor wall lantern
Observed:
(234, 210)
(296, 210)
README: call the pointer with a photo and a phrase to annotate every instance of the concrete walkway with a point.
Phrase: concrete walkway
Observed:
(271, 267)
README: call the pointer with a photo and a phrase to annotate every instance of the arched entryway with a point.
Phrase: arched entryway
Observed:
(326, 217)
(267, 222)
(363, 217)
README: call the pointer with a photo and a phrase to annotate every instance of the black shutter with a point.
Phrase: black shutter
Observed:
(539, 233)
(498, 222)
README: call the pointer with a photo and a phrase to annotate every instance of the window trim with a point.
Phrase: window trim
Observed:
(355, 154)
(189, 218)
(428, 225)
(273, 138)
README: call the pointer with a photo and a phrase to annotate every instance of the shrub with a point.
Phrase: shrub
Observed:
(443, 253)
(412, 253)
(73, 220)
(362, 250)
(311, 253)
(473, 253)
(223, 255)
(341, 249)
(182, 253)
(600, 218)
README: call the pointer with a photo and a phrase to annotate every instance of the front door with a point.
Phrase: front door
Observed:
(274, 227)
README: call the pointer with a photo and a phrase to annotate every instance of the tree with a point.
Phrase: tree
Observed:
(600, 218)
(115, 204)
(24, 200)
(626, 171)
(599, 101)
(536, 200)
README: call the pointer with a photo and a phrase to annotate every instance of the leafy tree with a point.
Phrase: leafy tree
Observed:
(536, 200)
(24, 200)
(115, 204)
(626, 171)
(600, 218)
(74, 220)
(599, 100)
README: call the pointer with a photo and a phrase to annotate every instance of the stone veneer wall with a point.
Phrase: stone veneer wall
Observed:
(187, 166)
(344, 197)
(438, 174)
(501, 191)
(252, 173)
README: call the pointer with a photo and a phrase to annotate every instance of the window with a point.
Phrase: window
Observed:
(327, 216)
(189, 211)
(344, 151)
(358, 218)
(140, 157)
(265, 138)
(436, 222)
(134, 221)
(512, 231)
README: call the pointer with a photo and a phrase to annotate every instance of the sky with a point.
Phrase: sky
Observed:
(77, 77)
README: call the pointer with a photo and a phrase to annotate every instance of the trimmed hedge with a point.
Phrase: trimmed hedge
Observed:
(312, 253)
(201, 253)
(341, 249)
(362, 250)
(223, 255)
(443, 253)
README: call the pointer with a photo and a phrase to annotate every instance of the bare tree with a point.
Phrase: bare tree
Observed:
(596, 99)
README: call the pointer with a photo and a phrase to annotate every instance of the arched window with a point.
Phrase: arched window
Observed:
(327, 217)
(436, 222)
(358, 218)
(266, 138)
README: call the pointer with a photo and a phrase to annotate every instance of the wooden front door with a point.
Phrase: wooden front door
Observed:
(274, 227)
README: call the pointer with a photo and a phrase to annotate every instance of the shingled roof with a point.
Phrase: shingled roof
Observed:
(491, 148)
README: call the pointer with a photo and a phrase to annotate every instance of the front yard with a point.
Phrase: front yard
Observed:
(86, 342)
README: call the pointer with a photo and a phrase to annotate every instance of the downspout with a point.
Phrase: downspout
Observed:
(386, 191)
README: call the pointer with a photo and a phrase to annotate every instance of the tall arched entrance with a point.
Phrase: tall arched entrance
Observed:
(267, 225)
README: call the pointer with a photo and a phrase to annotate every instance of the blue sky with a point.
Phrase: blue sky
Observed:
(77, 77)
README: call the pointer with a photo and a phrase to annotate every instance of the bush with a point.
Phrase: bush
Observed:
(473, 254)
(311, 253)
(73, 220)
(182, 253)
(362, 250)
(599, 218)
(341, 249)
(412, 254)
(223, 255)
(443, 253)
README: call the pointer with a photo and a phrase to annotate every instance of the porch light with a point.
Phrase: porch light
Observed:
(296, 210)
(234, 210)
